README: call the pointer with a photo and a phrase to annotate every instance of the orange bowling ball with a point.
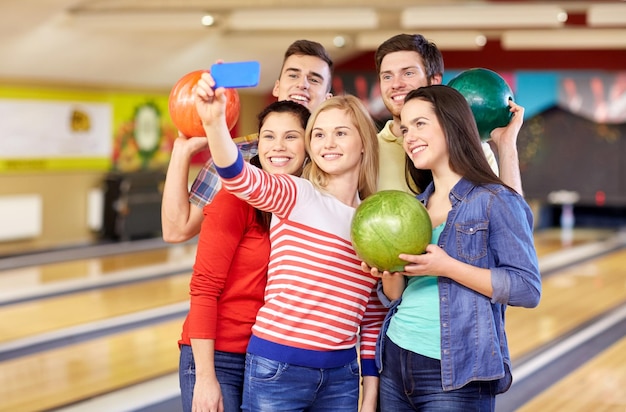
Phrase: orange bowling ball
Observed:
(182, 106)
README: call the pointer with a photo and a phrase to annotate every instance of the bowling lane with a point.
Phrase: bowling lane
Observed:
(51, 314)
(60, 376)
(598, 385)
(65, 375)
(67, 310)
(548, 241)
(95, 266)
(28, 280)
(38, 280)
(14, 282)
(570, 298)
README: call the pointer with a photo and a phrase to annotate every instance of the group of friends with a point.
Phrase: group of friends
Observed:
(284, 316)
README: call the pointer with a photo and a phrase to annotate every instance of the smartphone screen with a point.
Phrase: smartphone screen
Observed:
(236, 74)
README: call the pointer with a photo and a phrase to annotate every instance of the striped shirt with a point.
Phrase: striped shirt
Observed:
(318, 301)
(207, 183)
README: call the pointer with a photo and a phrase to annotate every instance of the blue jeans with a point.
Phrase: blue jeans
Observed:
(229, 368)
(272, 386)
(412, 382)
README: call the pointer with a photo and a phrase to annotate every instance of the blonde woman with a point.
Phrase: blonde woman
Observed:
(318, 301)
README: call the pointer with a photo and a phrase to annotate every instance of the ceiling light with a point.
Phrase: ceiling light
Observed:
(574, 39)
(483, 16)
(480, 40)
(339, 41)
(302, 19)
(207, 20)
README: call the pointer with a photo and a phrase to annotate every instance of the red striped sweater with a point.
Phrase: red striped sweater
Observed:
(317, 297)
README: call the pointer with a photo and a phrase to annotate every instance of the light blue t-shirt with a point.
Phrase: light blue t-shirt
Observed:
(416, 325)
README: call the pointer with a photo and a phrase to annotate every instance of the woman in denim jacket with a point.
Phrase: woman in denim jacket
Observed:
(444, 346)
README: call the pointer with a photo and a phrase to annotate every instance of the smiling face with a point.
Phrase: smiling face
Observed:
(400, 72)
(424, 140)
(336, 144)
(305, 80)
(281, 144)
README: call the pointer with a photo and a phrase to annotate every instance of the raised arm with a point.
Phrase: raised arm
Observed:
(181, 212)
(211, 106)
(505, 139)
(180, 221)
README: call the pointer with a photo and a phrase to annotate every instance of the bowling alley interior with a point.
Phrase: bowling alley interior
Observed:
(92, 298)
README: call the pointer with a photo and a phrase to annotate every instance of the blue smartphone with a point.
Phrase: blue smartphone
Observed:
(237, 74)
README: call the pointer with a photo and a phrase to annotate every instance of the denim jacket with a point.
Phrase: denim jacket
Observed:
(490, 227)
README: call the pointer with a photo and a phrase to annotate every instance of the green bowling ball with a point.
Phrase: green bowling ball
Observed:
(488, 95)
(388, 223)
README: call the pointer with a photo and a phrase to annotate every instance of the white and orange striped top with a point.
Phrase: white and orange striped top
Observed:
(318, 301)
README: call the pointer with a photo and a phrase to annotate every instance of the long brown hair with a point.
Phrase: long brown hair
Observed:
(467, 157)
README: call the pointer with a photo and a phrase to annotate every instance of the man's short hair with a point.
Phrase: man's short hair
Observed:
(431, 55)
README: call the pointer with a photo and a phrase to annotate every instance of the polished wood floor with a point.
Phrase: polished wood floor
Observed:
(598, 386)
(79, 371)
(84, 368)
(569, 299)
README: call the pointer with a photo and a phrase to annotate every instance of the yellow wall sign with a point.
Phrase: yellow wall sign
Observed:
(45, 129)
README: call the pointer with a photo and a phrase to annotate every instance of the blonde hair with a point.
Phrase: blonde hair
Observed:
(368, 171)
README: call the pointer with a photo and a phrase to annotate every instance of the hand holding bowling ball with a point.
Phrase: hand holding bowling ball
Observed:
(386, 224)
(183, 111)
(488, 95)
